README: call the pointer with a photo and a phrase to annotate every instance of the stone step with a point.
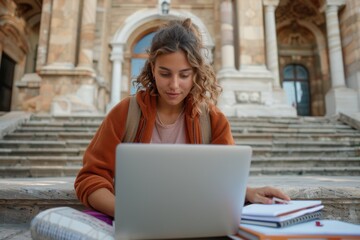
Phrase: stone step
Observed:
(66, 170)
(259, 143)
(15, 161)
(15, 231)
(46, 118)
(306, 152)
(288, 130)
(60, 124)
(49, 135)
(21, 199)
(38, 171)
(298, 143)
(25, 166)
(295, 162)
(57, 129)
(64, 118)
(42, 151)
(285, 120)
(260, 160)
(337, 126)
(234, 129)
(237, 136)
(289, 143)
(257, 151)
(323, 171)
(296, 140)
(293, 136)
(43, 143)
(317, 121)
(11, 143)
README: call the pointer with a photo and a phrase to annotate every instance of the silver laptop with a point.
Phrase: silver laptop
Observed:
(166, 191)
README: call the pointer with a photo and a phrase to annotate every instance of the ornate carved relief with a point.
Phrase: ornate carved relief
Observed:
(245, 97)
(12, 32)
(296, 36)
(308, 10)
(29, 9)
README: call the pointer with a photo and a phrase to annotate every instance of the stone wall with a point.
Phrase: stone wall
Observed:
(350, 33)
(64, 40)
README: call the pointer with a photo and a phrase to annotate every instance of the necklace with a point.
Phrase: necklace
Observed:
(162, 123)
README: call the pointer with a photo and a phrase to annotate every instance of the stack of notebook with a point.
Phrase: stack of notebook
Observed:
(282, 215)
(295, 220)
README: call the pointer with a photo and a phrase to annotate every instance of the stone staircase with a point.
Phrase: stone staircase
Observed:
(47, 146)
(300, 146)
(308, 158)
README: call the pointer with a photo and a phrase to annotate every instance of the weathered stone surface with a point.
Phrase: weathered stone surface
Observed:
(10, 121)
(22, 199)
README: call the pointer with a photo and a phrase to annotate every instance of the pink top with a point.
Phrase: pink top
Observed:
(171, 133)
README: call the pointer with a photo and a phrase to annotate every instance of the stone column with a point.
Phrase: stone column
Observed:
(227, 36)
(44, 34)
(334, 42)
(251, 33)
(117, 57)
(87, 35)
(339, 99)
(63, 35)
(350, 24)
(272, 59)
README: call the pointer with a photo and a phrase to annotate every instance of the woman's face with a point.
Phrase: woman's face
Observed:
(173, 76)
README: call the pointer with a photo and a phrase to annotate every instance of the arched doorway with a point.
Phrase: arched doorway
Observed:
(148, 19)
(138, 58)
(296, 86)
(7, 68)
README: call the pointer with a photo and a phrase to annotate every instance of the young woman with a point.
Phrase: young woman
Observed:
(175, 83)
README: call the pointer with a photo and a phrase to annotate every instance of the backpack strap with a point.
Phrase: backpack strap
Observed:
(132, 120)
(205, 125)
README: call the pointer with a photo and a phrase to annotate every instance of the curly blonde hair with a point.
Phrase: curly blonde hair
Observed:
(182, 35)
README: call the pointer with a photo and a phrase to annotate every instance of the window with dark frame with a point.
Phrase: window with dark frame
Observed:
(296, 85)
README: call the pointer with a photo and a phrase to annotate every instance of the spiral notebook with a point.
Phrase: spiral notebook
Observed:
(284, 223)
(282, 215)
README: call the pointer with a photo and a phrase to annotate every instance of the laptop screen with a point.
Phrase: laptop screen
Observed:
(179, 190)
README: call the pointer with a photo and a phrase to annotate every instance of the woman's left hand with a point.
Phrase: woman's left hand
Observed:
(264, 195)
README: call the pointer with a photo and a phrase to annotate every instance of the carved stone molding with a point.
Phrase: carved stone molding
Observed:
(246, 97)
(308, 10)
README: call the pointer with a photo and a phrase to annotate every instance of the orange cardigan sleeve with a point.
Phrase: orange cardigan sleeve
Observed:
(220, 128)
(99, 158)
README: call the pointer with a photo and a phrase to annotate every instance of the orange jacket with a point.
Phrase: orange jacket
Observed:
(99, 159)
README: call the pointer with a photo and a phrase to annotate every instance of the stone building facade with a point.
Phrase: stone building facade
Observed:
(272, 57)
